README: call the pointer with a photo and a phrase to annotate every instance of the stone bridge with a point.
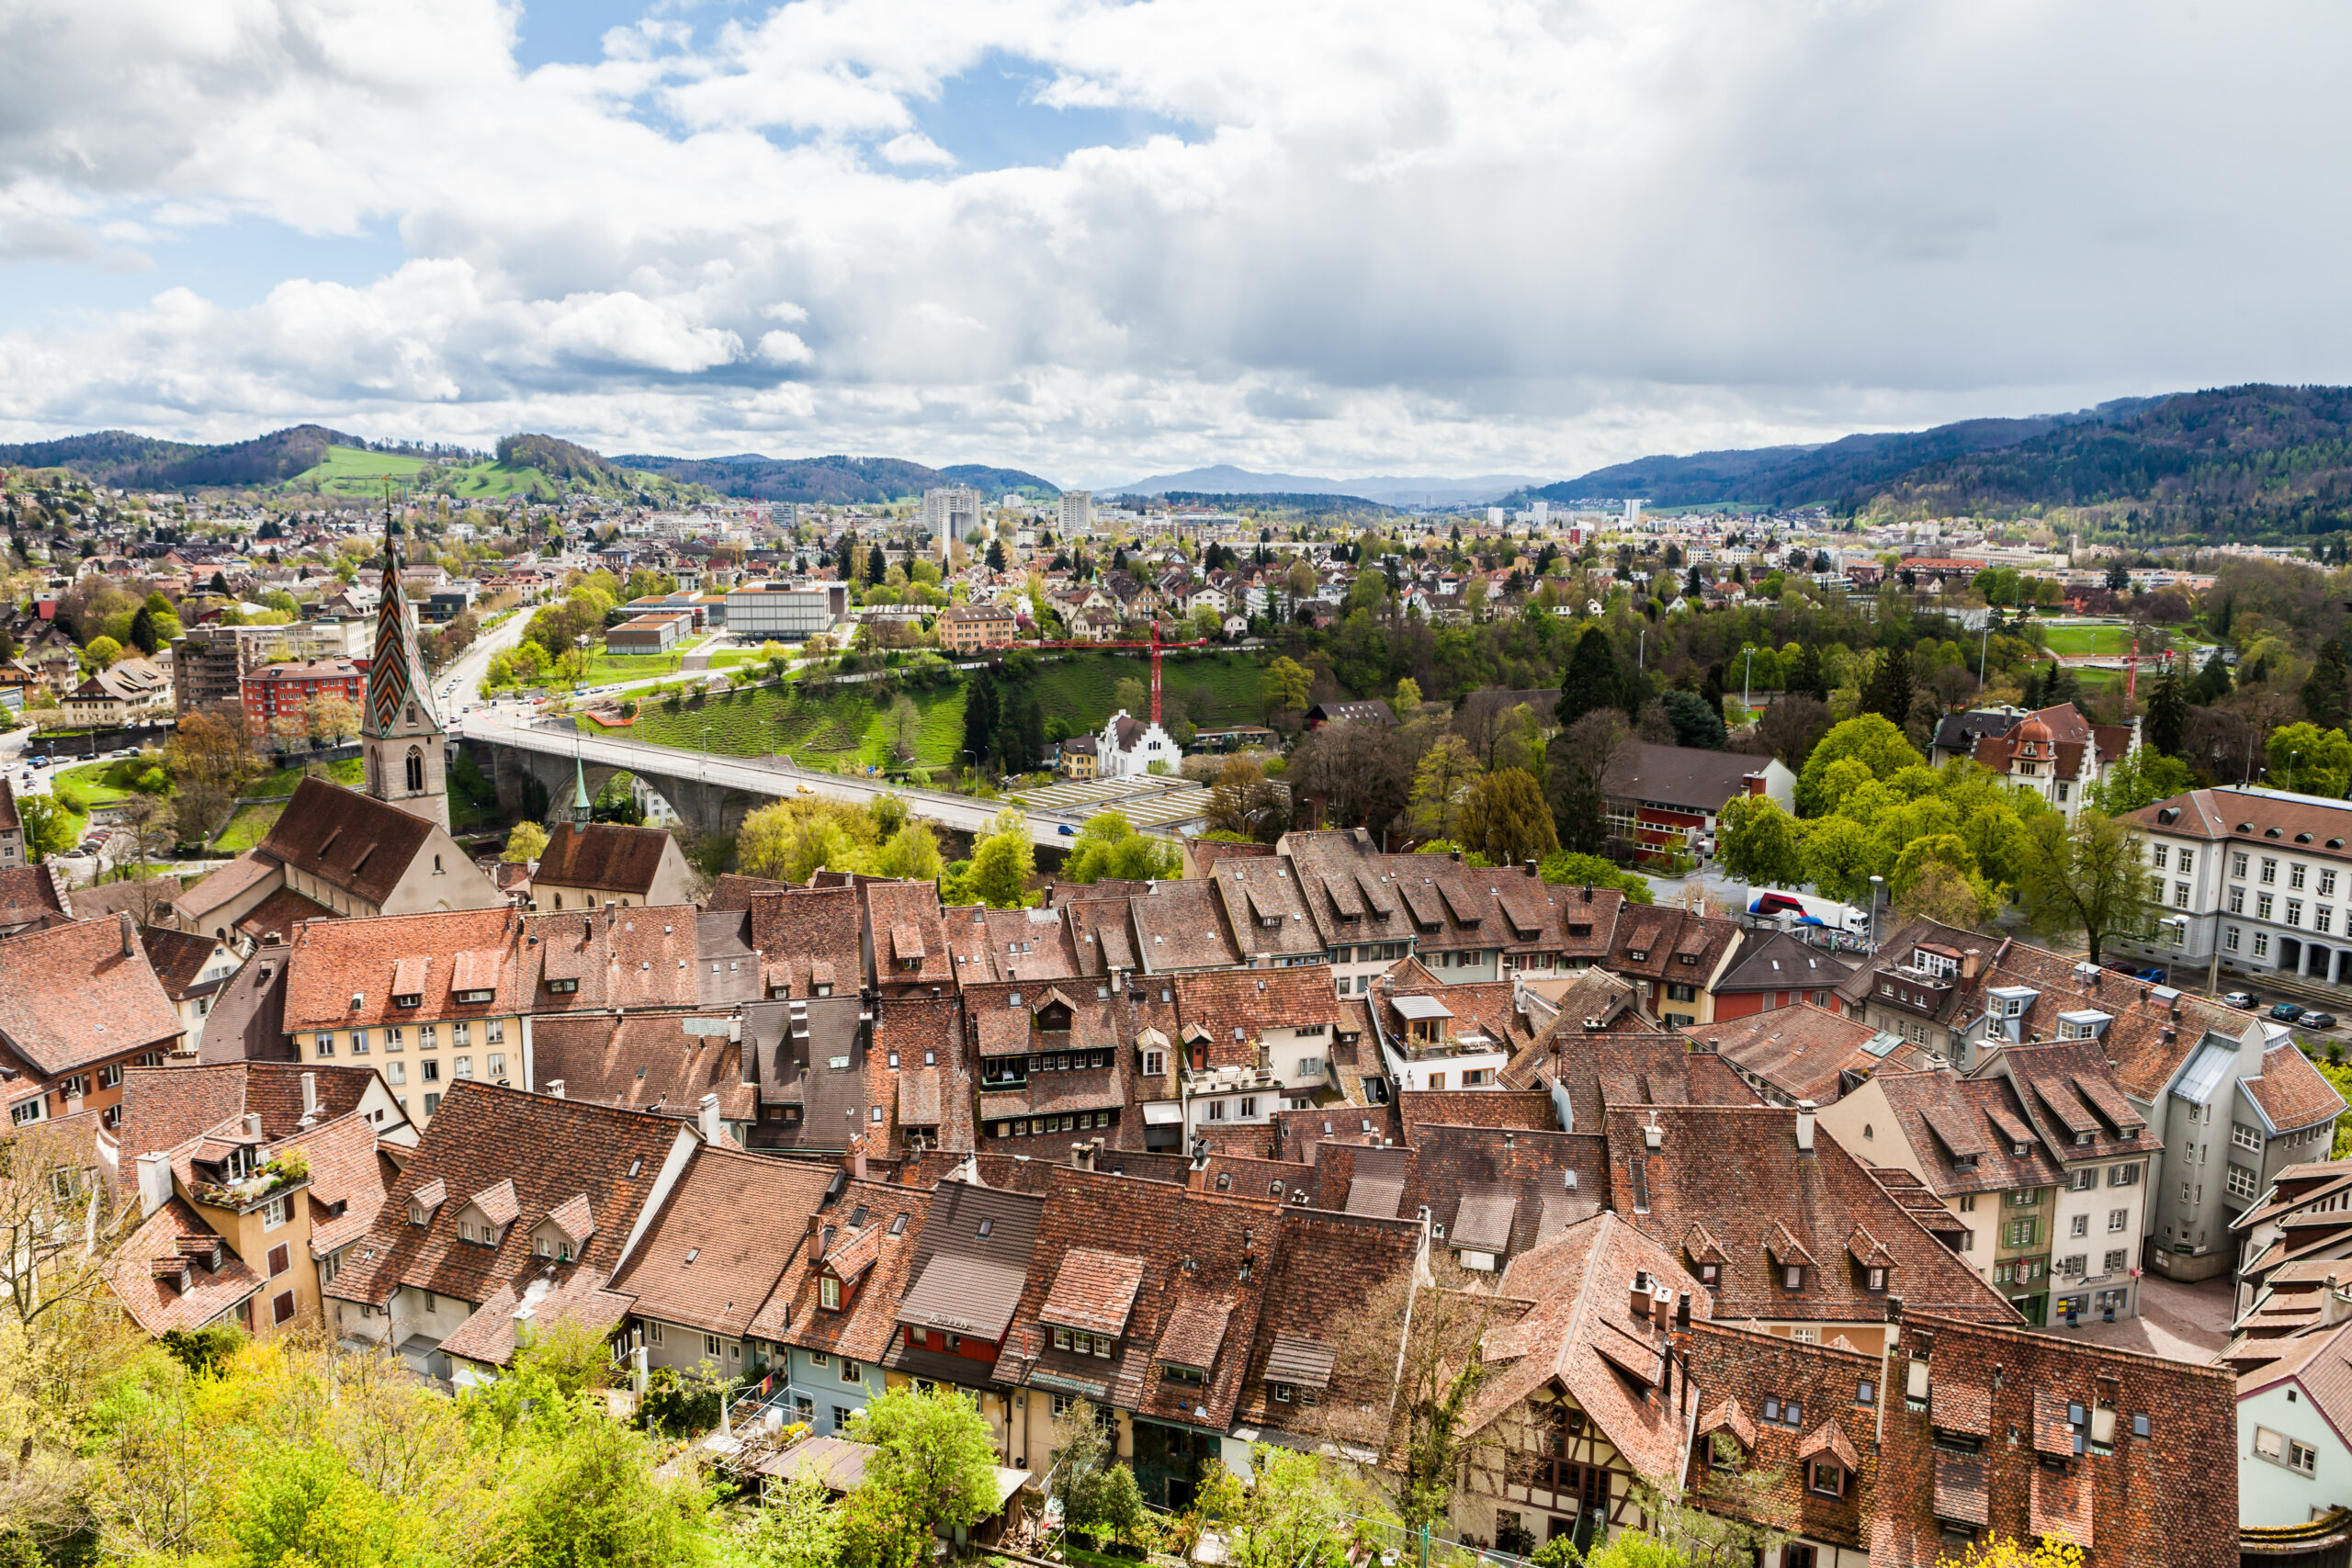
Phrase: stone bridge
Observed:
(533, 766)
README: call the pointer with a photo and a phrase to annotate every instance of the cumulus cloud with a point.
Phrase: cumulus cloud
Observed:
(1483, 236)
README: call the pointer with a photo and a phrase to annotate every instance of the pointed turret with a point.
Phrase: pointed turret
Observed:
(400, 735)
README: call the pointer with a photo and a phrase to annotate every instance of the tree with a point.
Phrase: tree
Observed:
(143, 631)
(2144, 776)
(101, 652)
(1570, 869)
(1868, 738)
(2090, 877)
(1127, 695)
(2213, 682)
(1002, 865)
(49, 826)
(527, 842)
(1696, 723)
(1290, 1514)
(1285, 685)
(931, 1452)
(329, 717)
(798, 1527)
(1792, 727)
(1759, 842)
(1943, 895)
(592, 1499)
(1889, 692)
(2005, 1552)
(911, 853)
(2310, 761)
(2327, 687)
(1244, 801)
(1593, 678)
(1409, 697)
(996, 555)
(1505, 818)
(1841, 856)
(1438, 780)
(1108, 846)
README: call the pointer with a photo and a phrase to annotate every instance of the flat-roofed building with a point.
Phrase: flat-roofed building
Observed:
(785, 612)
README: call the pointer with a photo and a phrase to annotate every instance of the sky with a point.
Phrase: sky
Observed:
(1098, 241)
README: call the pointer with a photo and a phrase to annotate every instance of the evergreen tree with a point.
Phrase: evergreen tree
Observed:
(1889, 693)
(2212, 682)
(877, 567)
(980, 718)
(1580, 810)
(2168, 719)
(996, 555)
(1808, 679)
(1711, 688)
(1592, 680)
(2029, 695)
(143, 631)
(2324, 690)
(848, 558)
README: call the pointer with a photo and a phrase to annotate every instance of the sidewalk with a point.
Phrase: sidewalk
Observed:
(2180, 1323)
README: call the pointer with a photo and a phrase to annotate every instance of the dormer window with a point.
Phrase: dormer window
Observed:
(409, 999)
(1792, 1276)
(562, 988)
(1876, 1278)
(470, 998)
(1826, 1478)
(829, 1294)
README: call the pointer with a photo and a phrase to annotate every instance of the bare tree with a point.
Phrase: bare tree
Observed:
(1792, 727)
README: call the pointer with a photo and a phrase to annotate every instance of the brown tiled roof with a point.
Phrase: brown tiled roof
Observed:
(178, 957)
(247, 1020)
(2168, 1498)
(963, 1281)
(165, 1107)
(1666, 944)
(334, 961)
(1947, 1120)
(2291, 1092)
(1751, 1372)
(1264, 906)
(1093, 1290)
(1236, 1007)
(721, 1240)
(246, 873)
(732, 892)
(279, 914)
(1326, 1267)
(183, 1293)
(643, 1062)
(1781, 962)
(346, 1191)
(1686, 777)
(551, 1293)
(1578, 1331)
(2050, 1079)
(809, 936)
(1180, 925)
(346, 839)
(70, 998)
(1739, 1173)
(551, 1149)
(873, 1260)
(1802, 1051)
(634, 957)
(606, 856)
(29, 894)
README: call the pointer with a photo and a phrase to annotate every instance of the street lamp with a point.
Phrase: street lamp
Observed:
(1746, 680)
(1876, 882)
(1641, 650)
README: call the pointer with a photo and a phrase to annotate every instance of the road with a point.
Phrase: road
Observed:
(773, 776)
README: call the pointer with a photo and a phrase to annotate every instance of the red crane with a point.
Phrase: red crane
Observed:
(1155, 645)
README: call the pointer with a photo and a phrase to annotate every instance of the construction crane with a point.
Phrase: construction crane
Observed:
(1155, 645)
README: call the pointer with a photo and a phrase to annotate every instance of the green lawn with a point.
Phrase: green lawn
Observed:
(249, 827)
(1218, 689)
(829, 727)
(355, 470)
(604, 669)
(2088, 639)
(103, 782)
(349, 770)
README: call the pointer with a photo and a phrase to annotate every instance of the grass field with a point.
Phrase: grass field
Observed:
(604, 669)
(2088, 639)
(1219, 689)
(829, 727)
(355, 470)
(103, 783)
(249, 827)
(349, 770)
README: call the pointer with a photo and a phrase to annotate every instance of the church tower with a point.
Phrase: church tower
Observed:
(400, 735)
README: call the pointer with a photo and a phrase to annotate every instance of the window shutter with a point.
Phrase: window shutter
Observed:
(2266, 1442)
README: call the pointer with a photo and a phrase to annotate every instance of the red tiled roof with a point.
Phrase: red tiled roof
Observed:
(70, 998)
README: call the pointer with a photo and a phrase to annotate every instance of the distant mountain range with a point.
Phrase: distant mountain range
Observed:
(837, 480)
(1386, 489)
(2233, 460)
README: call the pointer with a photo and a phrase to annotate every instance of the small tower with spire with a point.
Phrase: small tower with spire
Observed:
(584, 810)
(400, 735)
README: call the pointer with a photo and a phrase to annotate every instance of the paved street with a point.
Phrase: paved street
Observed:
(2180, 1323)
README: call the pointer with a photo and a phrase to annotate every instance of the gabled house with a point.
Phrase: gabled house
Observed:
(963, 1285)
(831, 1317)
(79, 1004)
(588, 865)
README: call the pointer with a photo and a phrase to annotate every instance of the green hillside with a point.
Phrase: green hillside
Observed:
(820, 727)
(1216, 689)
(355, 470)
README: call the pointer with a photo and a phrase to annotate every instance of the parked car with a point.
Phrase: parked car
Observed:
(1066, 831)
(2318, 1020)
(2287, 1012)
(2240, 999)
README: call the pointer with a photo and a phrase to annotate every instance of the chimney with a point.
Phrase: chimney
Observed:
(1081, 1156)
(1653, 1135)
(1529, 866)
(130, 934)
(2335, 1305)
(1682, 1310)
(309, 1093)
(815, 1239)
(1639, 1307)
(706, 1117)
(253, 1123)
(1457, 857)
(1971, 961)
(155, 1183)
(1806, 1109)
(555, 1087)
(1661, 1308)
(853, 1161)
(1588, 893)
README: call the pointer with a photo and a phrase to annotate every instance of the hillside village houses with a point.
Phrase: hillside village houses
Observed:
(1161, 1146)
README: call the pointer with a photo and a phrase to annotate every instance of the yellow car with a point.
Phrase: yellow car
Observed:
(804, 789)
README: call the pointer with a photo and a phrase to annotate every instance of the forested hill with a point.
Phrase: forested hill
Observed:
(836, 480)
(2251, 459)
(119, 458)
